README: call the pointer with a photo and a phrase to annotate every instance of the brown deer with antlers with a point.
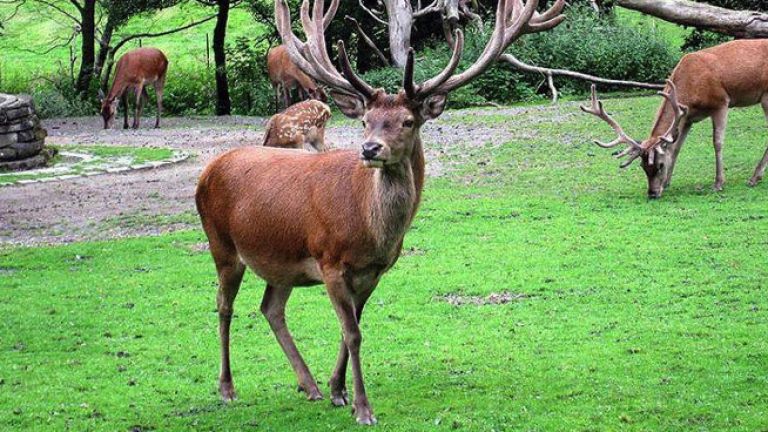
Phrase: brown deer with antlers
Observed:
(285, 76)
(301, 126)
(703, 84)
(336, 218)
(135, 70)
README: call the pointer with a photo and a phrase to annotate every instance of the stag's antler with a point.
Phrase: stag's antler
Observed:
(513, 19)
(634, 148)
(680, 112)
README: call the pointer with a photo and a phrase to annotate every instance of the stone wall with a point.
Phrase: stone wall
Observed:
(22, 137)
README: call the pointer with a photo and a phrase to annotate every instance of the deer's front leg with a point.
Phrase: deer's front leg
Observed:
(343, 302)
(719, 122)
(338, 381)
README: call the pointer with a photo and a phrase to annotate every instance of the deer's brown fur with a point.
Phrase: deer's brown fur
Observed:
(337, 218)
(135, 70)
(285, 76)
(302, 125)
(708, 82)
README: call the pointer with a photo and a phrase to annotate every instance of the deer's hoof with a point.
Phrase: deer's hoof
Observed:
(313, 393)
(227, 391)
(753, 182)
(364, 416)
(340, 398)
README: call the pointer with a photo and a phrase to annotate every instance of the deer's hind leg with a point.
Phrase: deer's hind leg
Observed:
(273, 308)
(719, 122)
(230, 270)
(760, 169)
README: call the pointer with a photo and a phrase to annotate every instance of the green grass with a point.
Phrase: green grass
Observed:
(28, 35)
(638, 315)
(103, 156)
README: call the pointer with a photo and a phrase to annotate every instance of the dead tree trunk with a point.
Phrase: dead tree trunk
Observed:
(740, 24)
(400, 20)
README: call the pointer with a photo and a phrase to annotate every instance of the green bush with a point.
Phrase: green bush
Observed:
(249, 87)
(189, 90)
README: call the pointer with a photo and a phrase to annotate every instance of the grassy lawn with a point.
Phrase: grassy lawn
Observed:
(627, 314)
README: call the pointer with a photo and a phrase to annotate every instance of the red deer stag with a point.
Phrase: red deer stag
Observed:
(336, 218)
(704, 84)
(285, 76)
(302, 125)
(135, 70)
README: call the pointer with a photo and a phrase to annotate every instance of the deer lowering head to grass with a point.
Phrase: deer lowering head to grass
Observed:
(703, 84)
(336, 218)
(285, 76)
(135, 70)
(302, 125)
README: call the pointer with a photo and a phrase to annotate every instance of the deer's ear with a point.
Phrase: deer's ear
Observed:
(353, 106)
(433, 106)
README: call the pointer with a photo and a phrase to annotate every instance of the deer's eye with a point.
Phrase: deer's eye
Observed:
(408, 123)
(364, 124)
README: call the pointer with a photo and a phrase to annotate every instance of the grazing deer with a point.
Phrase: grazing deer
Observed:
(703, 84)
(336, 218)
(135, 70)
(302, 125)
(285, 76)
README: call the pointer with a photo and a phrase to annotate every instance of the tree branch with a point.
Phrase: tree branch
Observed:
(435, 6)
(372, 13)
(367, 40)
(163, 33)
(62, 10)
(550, 73)
(740, 24)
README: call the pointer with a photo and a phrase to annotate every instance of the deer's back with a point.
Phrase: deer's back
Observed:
(736, 72)
(147, 64)
(287, 129)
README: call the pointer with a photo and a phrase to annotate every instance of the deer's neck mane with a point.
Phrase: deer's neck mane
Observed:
(395, 197)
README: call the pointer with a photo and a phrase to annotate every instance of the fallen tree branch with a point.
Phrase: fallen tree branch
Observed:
(740, 24)
(550, 73)
(367, 39)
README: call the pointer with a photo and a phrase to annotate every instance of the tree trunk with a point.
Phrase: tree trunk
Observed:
(87, 52)
(400, 17)
(223, 104)
(104, 46)
(740, 24)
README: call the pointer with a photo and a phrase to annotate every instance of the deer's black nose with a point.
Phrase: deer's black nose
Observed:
(371, 149)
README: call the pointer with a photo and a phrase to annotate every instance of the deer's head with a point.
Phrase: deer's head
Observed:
(108, 109)
(392, 122)
(652, 152)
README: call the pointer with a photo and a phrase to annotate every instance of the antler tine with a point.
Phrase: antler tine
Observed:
(346, 68)
(408, 85)
(312, 56)
(598, 110)
(492, 50)
(458, 48)
(513, 19)
(332, 8)
(679, 109)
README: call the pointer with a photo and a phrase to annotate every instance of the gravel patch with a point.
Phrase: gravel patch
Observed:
(85, 208)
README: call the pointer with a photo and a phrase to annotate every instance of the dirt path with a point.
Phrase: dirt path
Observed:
(160, 200)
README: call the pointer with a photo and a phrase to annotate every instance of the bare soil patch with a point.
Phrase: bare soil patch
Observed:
(162, 200)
